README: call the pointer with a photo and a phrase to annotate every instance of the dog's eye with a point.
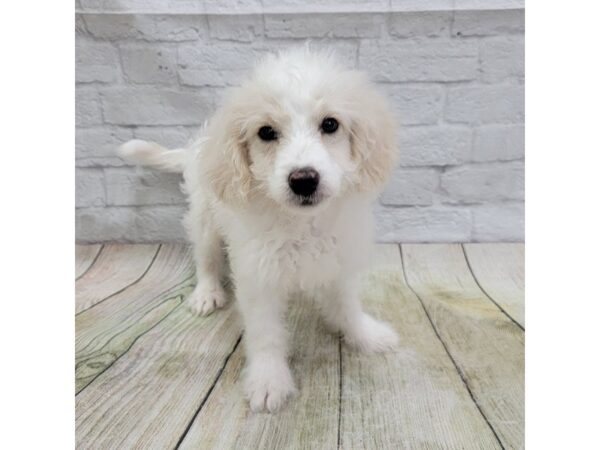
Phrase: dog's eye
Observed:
(329, 125)
(267, 133)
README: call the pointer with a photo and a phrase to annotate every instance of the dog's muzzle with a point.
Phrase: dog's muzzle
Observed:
(304, 183)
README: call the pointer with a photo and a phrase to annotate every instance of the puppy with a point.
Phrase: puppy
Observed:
(284, 176)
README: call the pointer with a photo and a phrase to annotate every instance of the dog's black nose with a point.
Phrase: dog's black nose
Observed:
(304, 181)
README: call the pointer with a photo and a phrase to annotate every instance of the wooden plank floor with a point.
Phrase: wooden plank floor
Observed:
(151, 375)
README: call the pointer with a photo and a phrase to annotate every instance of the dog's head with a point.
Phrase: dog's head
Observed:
(302, 131)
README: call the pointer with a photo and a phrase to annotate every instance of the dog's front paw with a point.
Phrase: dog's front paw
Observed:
(267, 387)
(372, 336)
(207, 297)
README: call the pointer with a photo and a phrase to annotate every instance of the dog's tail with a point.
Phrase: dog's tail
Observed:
(153, 155)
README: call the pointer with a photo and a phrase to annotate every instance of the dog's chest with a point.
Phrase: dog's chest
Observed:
(291, 254)
(313, 260)
(304, 259)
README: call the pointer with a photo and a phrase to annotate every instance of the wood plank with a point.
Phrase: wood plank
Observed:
(107, 330)
(413, 397)
(149, 396)
(84, 257)
(117, 267)
(309, 420)
(500, 271)
(485, 344)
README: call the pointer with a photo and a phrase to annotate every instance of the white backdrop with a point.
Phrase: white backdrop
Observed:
(156, 69)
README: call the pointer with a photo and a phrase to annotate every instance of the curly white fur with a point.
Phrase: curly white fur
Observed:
(239, 196)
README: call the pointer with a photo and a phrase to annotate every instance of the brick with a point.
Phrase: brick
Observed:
(147, 27)
(423, 5)
(228, 63)
(174, 6)
(323, 25)
(345, 50)
(126, 224)
(122, 5)
(434, 146)
(144, 64)
(229, 7)
(411, 187)
(95, 61)
(245, 28)
(135, 186)
(498, 143)
(201, 77)
(219, 55)
(415, 24)
(89, 188)
(220, 64)
(446, 60)
(503, 222)
(79, 26)
(502, 58)
(152, 106)
(415, 105)
(87, 5)
(485, 104)
(484, 182)
(97, 146)
(324, 6)
(179, 7)
(488, 23)
(226, 55)
(87, 107)
(430, 224)
(170, 137)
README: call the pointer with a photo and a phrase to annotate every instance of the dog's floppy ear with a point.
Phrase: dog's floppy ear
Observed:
(372, 134)
(225, 158)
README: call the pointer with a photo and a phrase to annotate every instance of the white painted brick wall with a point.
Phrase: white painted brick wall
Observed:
(420, 24)
(439, 145)
(498, 143)
(143, 65)
(411, 187)
(498, 103)
(139, 187)
(483, 183)
(452, 69)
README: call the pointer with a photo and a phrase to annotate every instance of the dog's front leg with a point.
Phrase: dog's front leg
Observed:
(268, 380)
(341, 309)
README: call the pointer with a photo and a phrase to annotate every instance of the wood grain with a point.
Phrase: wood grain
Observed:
(486, 346)
(117, 267)
(309, 420)
(148, 396)
(413, 397)
(107, 330)
(151, 375)
(84, 257)
(500, 271)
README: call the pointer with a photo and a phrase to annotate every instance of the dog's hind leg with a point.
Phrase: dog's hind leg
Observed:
(209, 259)
(341, 309)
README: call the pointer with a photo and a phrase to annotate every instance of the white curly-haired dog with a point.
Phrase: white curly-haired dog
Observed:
(284, 175)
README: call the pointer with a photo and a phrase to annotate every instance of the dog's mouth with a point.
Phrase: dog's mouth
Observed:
(306, 202)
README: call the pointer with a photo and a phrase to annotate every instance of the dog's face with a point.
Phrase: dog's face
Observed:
(301, 156)
(301, 132)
